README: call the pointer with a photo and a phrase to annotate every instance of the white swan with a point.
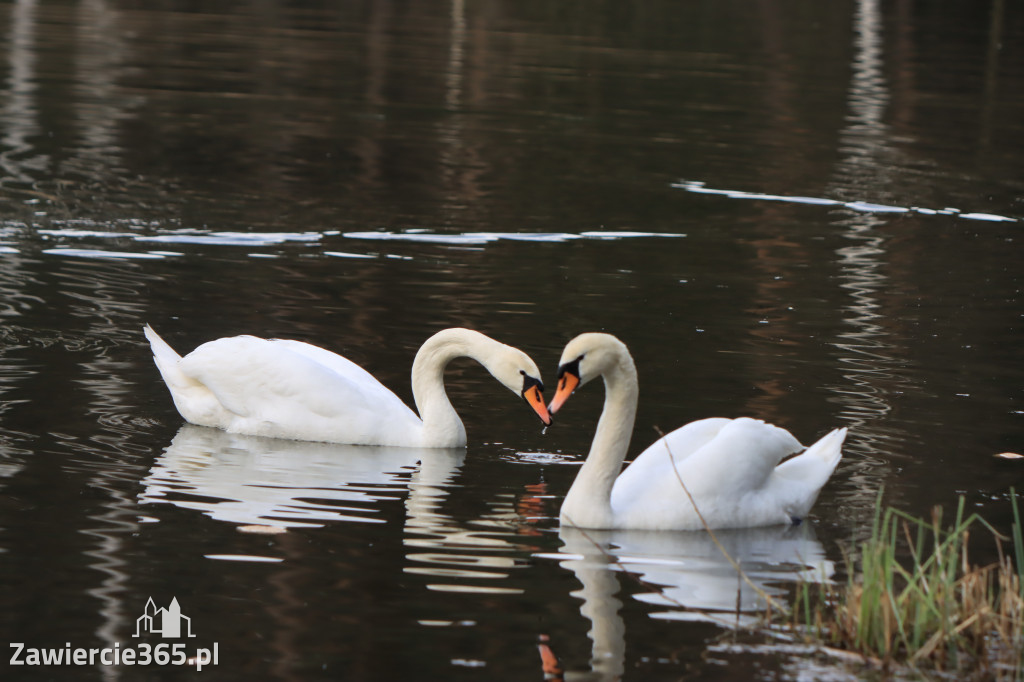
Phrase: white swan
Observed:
(290, 389)
(731, 467)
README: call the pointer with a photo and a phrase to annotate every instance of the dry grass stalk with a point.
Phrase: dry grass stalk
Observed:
(937, 612)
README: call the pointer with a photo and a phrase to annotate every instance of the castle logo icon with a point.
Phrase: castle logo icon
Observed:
(167, 622)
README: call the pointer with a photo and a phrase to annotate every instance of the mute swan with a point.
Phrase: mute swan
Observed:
(290, 389)
(731, 467)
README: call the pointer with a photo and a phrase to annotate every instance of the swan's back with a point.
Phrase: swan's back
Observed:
(338, 364)
(731, 469)
(285, 389)
(740, 458)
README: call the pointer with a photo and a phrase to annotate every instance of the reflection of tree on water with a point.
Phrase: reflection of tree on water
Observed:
(691, 579)
(14, 369)
(865, 141)
(19, 112)
(866, 356)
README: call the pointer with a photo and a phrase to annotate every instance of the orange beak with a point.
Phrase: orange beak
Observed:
(567, 383)
(535, 399)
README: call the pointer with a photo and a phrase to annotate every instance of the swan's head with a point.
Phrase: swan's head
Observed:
(585, 358)
(511, 366)
(519, 373)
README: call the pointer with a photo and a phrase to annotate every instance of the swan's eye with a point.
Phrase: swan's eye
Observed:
(569, 368)
(529, 382)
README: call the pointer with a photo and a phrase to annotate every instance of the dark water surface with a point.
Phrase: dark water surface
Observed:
(806, 212)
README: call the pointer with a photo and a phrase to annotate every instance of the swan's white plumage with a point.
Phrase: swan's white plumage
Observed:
(733, 468)
(290, 389)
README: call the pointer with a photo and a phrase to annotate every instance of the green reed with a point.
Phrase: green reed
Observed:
(918, 601)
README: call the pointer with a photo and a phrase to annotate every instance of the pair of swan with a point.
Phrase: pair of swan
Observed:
(731, 470)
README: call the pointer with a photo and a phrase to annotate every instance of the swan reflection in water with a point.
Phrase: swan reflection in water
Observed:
(689, 577)
(269, 485)
(275, 484)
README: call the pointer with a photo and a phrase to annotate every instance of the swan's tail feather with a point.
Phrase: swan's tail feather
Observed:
(801, 478)
(829, 449)
(166, 359)
(159, 346)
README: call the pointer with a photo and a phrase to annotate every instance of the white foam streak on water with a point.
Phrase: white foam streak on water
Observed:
(698, 187)
(345, 254)
(232, 238)
(628, 235)
(102, 234)
(100, 253)
(244, 557)
(256, 239)
(470, 238)
(987, 216)
(420, 237)
(868, 207)
(80, 230)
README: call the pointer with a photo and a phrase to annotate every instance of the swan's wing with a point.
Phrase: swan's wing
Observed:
(653, 467)
(739, 459)
(338, 364)
(681, 443)
(720, 461)
(372, 391)
(293, 392)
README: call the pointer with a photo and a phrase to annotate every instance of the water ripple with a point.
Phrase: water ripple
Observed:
(248, 480)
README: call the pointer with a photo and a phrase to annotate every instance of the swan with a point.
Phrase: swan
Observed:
(731, 467)
(290, 389)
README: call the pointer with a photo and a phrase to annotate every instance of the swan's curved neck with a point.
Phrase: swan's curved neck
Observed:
(441, 424)
(588, 503)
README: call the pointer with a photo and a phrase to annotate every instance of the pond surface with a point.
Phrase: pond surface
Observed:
(801, 211)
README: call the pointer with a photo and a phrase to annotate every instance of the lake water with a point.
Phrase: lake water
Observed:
(806, 212)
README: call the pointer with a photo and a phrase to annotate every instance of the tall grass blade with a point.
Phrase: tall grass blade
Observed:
(918, 602)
